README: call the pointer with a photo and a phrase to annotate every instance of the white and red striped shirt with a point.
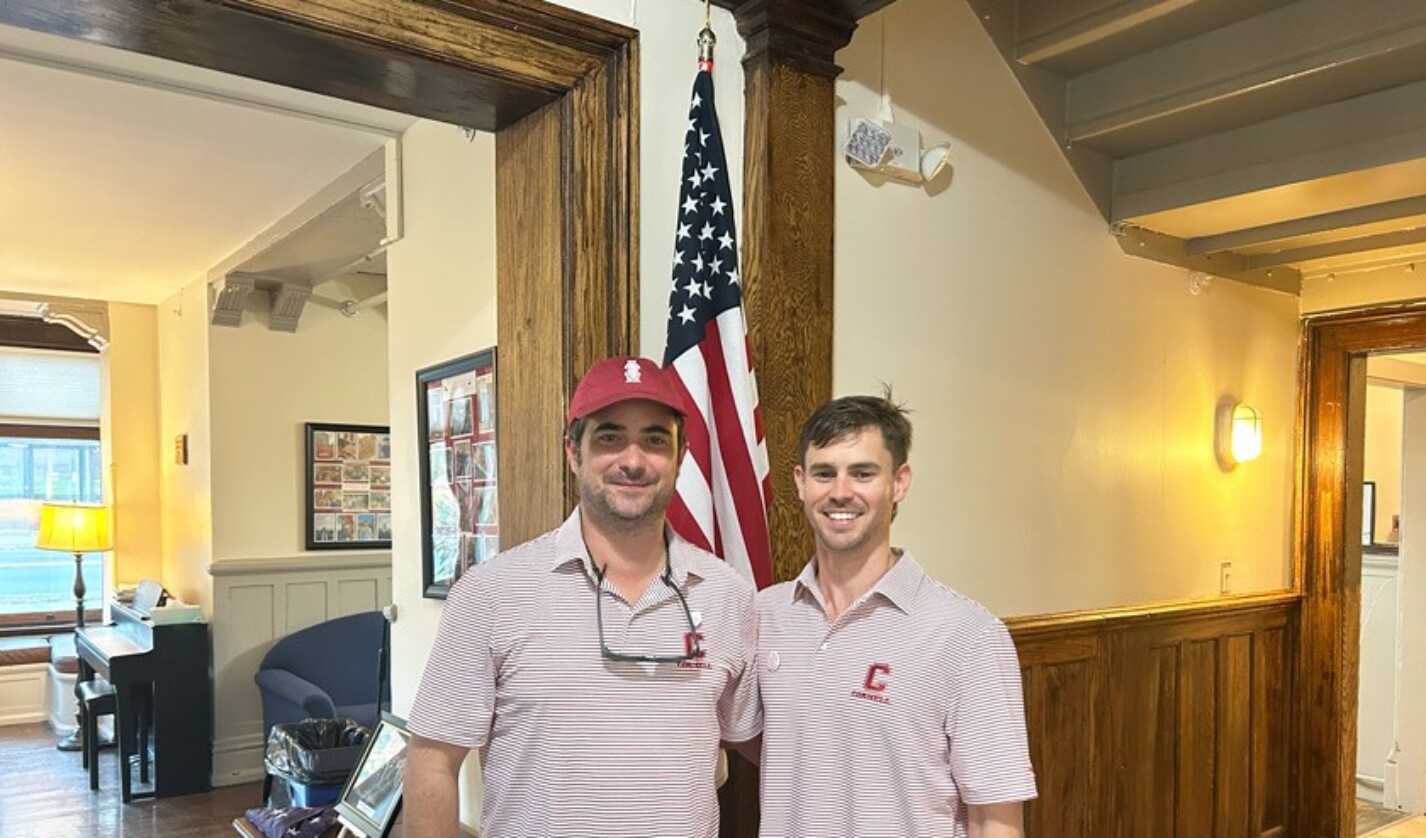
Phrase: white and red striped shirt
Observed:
(891, 719)
(570, 743)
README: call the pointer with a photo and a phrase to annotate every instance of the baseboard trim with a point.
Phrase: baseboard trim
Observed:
(237, 760)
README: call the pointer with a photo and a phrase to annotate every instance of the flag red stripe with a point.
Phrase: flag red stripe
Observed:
(748, 499)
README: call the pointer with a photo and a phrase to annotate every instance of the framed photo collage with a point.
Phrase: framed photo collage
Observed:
(348, 486)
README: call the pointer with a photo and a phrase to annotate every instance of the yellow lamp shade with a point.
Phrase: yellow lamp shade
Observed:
(74, 528)
(1247, 433)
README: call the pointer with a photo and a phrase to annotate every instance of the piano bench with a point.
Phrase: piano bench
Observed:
(96, 698)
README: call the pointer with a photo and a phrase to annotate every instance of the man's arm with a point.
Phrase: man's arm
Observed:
(431, 794)
(997, 820)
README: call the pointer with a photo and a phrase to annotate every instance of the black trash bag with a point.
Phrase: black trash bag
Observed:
(315, 751)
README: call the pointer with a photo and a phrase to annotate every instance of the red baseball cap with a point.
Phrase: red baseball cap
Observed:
(621, 378)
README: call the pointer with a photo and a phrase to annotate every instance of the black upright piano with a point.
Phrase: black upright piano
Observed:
(170, 665)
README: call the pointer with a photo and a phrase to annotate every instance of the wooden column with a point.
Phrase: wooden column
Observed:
(788, 204)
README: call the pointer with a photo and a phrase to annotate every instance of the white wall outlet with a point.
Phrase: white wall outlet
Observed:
(1225, 577)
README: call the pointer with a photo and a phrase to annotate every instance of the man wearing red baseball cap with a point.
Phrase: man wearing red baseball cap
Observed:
(596, 668)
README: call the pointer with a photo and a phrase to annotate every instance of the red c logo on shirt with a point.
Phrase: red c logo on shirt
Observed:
(875, 682)
(688, 640)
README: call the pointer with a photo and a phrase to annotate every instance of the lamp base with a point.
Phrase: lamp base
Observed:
(74, 741)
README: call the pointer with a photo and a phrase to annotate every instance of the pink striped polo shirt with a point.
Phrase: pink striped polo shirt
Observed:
(572, 744)
(891, 719)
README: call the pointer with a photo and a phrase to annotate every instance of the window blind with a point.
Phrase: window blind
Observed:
(38, 386)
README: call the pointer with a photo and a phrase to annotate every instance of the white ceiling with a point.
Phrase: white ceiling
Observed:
(124, 177)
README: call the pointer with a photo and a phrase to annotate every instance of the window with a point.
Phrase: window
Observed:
(49, 451)
(38, 585)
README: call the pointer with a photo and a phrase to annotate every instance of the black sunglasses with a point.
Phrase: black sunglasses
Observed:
(693, 647)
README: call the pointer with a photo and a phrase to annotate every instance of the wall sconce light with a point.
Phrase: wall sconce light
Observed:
(1240, 434)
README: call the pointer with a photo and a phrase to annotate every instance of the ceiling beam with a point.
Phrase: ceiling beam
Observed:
(1355, 134)
(1147, 244)
(1304, 54)
(1310, 225)
(1361, 244)
(1094, 27)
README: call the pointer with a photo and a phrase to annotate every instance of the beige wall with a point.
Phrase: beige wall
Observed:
(1064, 394)
(1381, 452)
(441, 306)
(185, 491)
(131, 439)
(264, 386)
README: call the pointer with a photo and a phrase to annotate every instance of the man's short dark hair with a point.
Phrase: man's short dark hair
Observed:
(840, 418)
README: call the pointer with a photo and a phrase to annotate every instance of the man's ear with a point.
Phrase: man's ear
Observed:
(797, 478)
(901, 483)
(571, 454)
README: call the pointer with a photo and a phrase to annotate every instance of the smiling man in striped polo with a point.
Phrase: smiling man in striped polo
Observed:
(892, 704)
(596, 668)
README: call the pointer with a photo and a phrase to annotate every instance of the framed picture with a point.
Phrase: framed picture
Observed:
(1368, 512)
(348, 487)
(456, 418)
(372, 795)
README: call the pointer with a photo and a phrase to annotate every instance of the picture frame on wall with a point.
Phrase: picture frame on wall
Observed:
(459, 468)
(348, 487)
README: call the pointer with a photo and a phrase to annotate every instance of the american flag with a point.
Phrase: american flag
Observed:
(723, 485)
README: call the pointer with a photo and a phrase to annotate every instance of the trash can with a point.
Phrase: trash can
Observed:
(309, 761)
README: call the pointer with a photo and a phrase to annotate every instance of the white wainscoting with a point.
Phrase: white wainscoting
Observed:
(257, 601)
(22, 693)
(1376, 695)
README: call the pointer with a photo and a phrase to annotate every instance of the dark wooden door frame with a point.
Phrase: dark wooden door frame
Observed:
(558, 88)
(1329, 572)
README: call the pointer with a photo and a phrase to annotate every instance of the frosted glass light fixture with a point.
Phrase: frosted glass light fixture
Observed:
(1240, 436)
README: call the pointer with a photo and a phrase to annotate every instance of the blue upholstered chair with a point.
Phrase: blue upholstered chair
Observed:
(330, 670)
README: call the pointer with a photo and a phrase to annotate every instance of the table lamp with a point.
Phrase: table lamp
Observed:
(76, 528)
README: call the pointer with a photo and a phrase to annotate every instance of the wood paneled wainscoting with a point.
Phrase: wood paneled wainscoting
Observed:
(1168, 721)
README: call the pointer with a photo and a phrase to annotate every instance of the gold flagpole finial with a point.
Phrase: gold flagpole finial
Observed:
(706, 38)
(706, 41)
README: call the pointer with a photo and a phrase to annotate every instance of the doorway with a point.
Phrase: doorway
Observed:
(1337, 348)
(557, 88)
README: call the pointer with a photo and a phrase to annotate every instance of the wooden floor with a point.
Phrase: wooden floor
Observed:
(1414, 828)
(44, 793)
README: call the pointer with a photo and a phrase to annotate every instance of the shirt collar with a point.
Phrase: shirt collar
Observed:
(570, 547)
(898, 585)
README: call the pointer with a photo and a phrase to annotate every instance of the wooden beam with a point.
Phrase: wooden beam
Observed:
(1378, 129)
(1298, 227)
(1307, 53)
(1326, 250)
(787, 241)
